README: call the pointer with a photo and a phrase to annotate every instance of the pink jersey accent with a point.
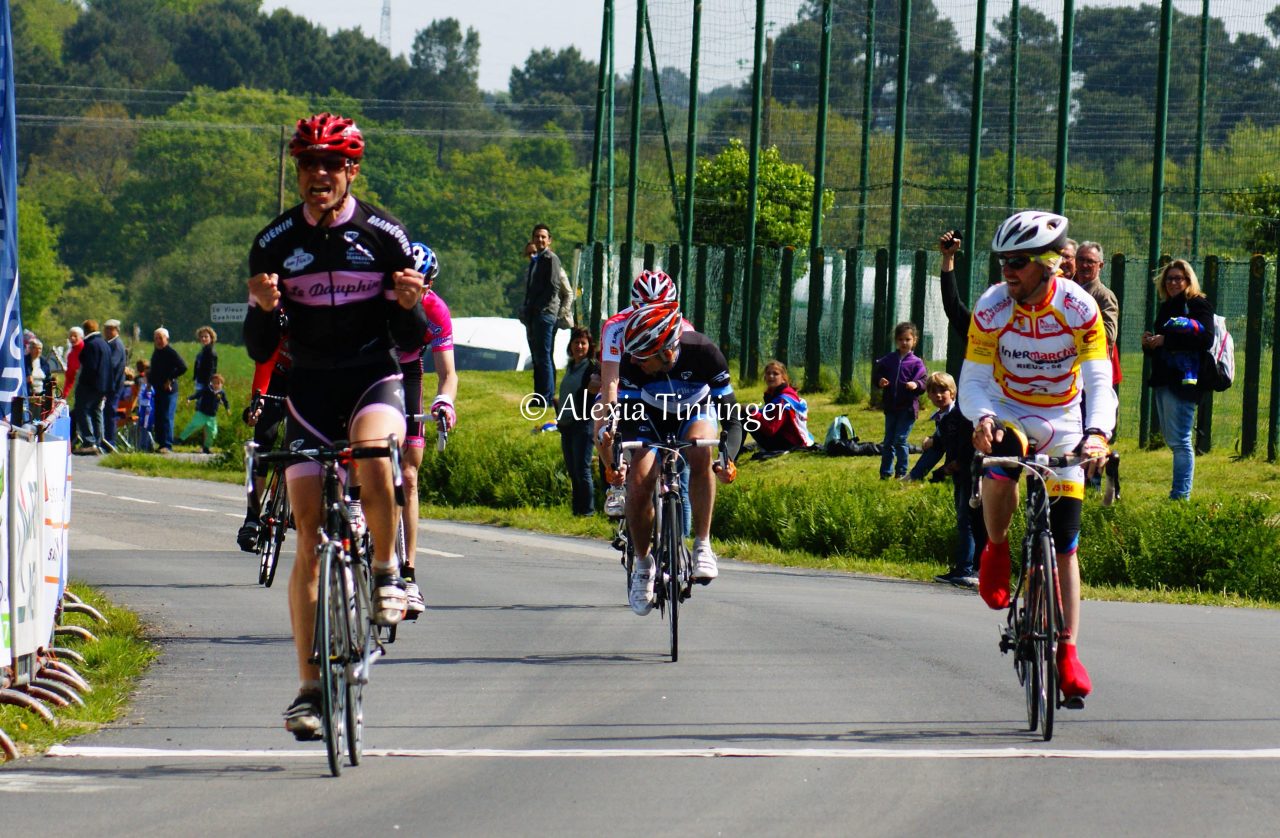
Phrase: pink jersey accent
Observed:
(439, 327)
(338, 287)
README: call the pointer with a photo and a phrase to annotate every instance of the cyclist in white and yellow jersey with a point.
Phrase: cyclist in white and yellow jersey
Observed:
(1036, 343)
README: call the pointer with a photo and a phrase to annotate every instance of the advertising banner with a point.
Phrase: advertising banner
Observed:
(24, 525)
(12, 374)
(6, 635)
(55, 496)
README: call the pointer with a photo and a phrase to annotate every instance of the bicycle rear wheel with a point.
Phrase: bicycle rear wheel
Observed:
(332, 638)
(672, 544)
(1046, 633)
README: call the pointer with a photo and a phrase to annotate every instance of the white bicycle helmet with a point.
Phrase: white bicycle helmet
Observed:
(1031, 231)
(652, 287)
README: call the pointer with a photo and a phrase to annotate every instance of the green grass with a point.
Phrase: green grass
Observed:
(112, 667)
(813, 511)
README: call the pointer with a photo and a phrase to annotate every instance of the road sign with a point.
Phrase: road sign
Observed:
(228, 312)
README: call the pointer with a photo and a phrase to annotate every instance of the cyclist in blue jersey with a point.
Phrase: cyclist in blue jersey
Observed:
(673, 381)
(341, 271)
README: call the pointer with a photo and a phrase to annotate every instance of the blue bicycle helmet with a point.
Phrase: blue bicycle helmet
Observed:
(424, 261)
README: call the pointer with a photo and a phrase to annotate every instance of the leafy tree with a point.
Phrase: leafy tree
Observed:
(444, 74)
(785, 195)
(220, 46)
(124, 43)
(176, 291)
(557, 87)
(42, 274)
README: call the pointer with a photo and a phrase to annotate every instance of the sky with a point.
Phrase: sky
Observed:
(509, 29)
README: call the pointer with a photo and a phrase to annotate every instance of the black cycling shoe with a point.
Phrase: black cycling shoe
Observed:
(247, 536)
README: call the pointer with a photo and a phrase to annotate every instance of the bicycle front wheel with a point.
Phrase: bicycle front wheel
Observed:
(332, 636)
(363, 642)
(265, 533)
(672, 545)
(277, 523)
(1046, 633)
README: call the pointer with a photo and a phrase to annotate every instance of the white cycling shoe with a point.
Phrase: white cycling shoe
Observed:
(641, 597)
(704, 562)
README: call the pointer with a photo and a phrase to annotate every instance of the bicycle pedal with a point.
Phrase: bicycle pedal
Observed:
(1074, 702)
(620, 544)
(411, 616)
(703, 581)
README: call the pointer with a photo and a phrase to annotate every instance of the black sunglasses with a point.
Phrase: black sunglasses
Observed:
(328, 162)
(1015, 262)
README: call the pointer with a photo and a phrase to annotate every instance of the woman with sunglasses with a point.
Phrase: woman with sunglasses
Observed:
(1036, 344)
(1181, 334)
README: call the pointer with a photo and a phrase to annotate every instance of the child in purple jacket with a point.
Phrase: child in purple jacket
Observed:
(901, 375)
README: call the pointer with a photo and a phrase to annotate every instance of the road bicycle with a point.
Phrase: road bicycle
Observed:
(1034, 623)
(347, 641)
(671, 554)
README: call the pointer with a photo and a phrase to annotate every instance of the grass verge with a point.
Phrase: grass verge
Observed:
(112, 667)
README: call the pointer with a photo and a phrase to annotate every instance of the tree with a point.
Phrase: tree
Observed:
(557, 87)
(445, 69)
(785, 196)
(220, 46)
(42, 274)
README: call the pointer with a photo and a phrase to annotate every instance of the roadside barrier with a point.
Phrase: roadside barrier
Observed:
(35, 494)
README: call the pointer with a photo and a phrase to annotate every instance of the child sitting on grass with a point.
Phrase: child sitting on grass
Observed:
(206, 415)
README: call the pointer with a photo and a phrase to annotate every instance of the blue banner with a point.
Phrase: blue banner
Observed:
(12, 373)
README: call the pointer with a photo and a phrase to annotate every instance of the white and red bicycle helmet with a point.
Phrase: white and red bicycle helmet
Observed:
(652, 329)
(652, 287)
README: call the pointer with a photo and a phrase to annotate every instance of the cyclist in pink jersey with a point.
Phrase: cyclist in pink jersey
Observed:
(439, 341)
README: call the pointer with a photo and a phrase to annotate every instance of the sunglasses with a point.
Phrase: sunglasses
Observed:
(328, 162)
(1017, 263)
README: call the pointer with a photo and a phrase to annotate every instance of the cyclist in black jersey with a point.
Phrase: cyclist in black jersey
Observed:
(673, 381)
(341, 271)
(265, 416)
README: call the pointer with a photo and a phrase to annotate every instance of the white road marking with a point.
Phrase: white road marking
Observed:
(135, 500)
(191, 508)
(429, 552)
(17, 781)
(1216, 754)
(235, 515)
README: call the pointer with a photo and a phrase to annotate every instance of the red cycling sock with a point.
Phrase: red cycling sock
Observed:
(1073, 678)
(993, 575)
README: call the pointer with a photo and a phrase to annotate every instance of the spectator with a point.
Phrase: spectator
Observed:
(901, 375)
(39, 373)
(547, 299)
(574, 420)
(145, 405)
(955, 438)
(1182, 332)
(941, 390)
(75, 342)
(206, 416)
(1089, 261)
(118, 356)
(782, 419)
(166, 368)
(93, 380)
(206, 363)
(1068, 264)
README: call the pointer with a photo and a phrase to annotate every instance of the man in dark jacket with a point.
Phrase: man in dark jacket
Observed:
(167, 367)
(92, 383)
(546, 298)
(118, 355)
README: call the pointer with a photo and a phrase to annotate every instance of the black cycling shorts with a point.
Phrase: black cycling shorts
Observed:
(323, 403)
(412, 373)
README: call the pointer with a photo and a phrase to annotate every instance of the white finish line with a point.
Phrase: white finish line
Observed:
(680, 753)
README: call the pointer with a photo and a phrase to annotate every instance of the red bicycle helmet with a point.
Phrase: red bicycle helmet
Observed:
(327, 133)
(652, 329)
(652, 287)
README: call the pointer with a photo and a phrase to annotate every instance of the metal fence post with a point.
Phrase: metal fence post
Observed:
(1253, 355)
(849, 330)
(1204, 416)
(813, 319)
(1273, 402)
(727, 281)
(880, 307)
(782, 345)
(700, 291)
(919, 275)
(597, 285)
(1117, 288)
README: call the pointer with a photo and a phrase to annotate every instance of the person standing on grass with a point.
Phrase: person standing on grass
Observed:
(206, 416)
(1182, 331)
(547, 301)
(901, 375)
(206, 363)
(577, 394)
(119, 356)
(165, 369)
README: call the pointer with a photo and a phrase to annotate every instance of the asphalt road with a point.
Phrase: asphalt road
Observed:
(529, 700)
